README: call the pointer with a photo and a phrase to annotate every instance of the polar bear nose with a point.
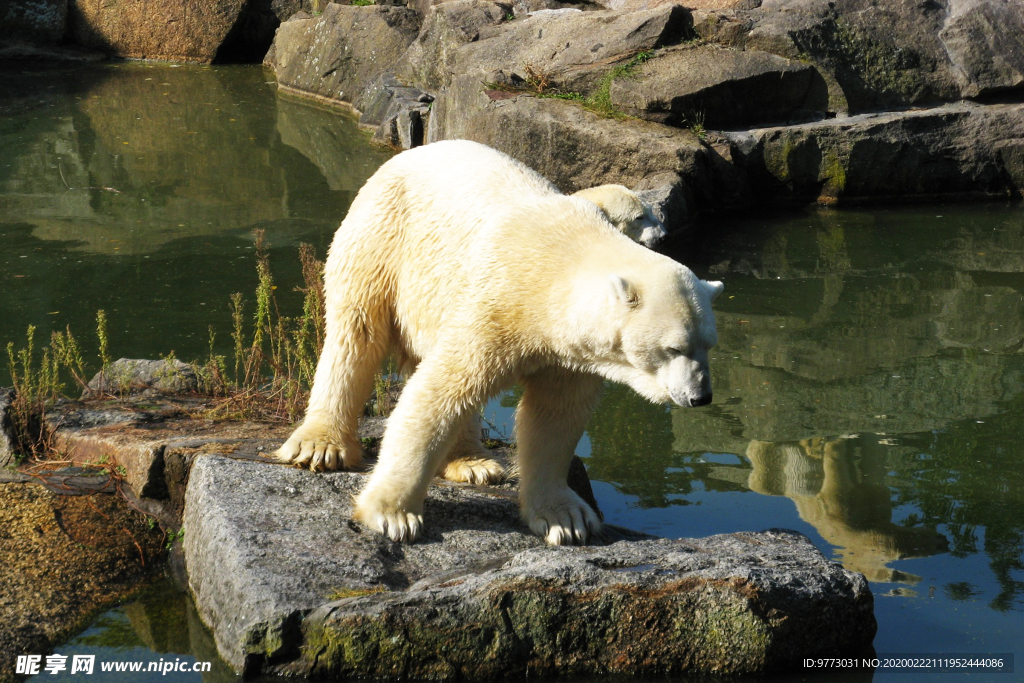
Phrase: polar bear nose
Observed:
(701, 400)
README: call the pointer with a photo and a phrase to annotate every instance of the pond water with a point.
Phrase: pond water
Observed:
(869, 381)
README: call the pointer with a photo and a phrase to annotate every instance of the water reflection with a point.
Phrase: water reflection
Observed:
(839, 487)
(123, 158)
(143, 183)
(159, 625)
(870, 370)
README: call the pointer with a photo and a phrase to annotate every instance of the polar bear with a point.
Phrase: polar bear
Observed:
(478, 273)
(627, 212)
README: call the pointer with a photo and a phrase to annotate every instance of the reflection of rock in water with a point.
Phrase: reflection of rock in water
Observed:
(339, 151)
(838, 487)
(139, 155)
(165, 620)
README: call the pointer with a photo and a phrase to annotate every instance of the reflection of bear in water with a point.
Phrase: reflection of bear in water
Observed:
(838, 487)
(478, 273)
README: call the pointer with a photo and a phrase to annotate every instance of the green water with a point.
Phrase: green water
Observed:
(869, 382)
(135, 188)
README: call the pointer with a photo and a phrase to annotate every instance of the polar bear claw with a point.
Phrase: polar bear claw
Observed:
(562, 518)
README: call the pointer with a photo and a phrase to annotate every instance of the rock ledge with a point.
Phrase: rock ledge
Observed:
(290, 585)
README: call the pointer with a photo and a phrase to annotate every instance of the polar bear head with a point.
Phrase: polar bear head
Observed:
(652, 329)
(627, 212)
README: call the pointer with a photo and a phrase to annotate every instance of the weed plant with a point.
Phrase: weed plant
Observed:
(541, 84)
(268, 377)
(274, 364)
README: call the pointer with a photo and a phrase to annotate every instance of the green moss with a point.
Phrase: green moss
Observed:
(833, 172)
(776, 159)
(600, 102)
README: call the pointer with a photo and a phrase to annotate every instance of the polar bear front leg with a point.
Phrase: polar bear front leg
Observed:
(434, 404)
(467, 460)
(550, 420)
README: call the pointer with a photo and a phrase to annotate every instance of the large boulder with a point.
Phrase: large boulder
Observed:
(985, 42)
(716, 87)
(289, 584)
(430, 60)
(963, 150)
(885, 55)
(484, 99)
(337, 55)
(572, 50)
(177, 30)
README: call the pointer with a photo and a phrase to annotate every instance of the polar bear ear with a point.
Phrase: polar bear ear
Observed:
(624, 291)
(714, 288)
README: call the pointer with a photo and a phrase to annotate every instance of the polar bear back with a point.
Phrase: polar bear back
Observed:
(478, 239)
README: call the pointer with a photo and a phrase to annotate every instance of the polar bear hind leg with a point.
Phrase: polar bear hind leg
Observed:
(468, 461)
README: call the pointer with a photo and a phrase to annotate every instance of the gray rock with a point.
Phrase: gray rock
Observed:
(885, 55)
(289, 584)
(7, 442)
(666, 195)
(573, 147)
(716, 87)
(33, 21)
(521, 8)
(399, 112)
(430, 60)
(404, 126)
(985, 42)
(338, 54)
(572, 50)
(960, 150)
(286, 9)
(128, 376)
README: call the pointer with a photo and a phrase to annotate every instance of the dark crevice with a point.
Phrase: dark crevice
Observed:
(251, 36)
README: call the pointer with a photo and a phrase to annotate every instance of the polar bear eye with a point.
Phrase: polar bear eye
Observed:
(674, 351)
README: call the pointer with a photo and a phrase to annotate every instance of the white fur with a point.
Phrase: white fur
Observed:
(480, 274)
(627, 212)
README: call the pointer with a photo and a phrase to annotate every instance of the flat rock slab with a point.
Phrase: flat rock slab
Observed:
(963, 150)
(289, 584)
(721, 88)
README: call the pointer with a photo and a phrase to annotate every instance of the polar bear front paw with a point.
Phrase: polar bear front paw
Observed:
(397, 524)
(562, 518)
(474, 471)
(314, 447)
